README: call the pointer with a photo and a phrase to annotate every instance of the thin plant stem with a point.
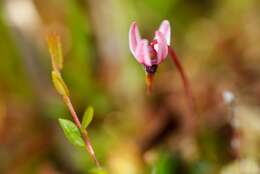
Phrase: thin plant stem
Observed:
(72, 111)
(84, 133)
(184, 79)
(89, 147)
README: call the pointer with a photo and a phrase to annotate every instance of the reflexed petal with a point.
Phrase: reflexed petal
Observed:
(134, 37)
(142, 53)
(165, 29)
(161, 47)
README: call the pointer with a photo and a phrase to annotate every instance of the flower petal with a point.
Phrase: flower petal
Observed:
(165, 29)
(161, 47)
(134, 37)
(142, 53)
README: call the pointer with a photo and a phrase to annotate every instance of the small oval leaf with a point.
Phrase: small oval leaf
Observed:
(59, 84)
(71, 132)
(55, 49)
(87, 117)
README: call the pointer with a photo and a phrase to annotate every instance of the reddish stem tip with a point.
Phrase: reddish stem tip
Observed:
(149, 83)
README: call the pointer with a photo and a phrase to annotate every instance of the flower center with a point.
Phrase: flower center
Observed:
(150, 69)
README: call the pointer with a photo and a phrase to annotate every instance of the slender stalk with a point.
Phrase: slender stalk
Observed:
(84, 133)
(72, 111)
(184, 79)
(89, 147)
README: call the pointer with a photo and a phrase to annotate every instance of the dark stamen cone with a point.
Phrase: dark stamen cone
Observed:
(149, 82)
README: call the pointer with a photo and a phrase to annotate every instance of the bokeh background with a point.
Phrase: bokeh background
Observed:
(218, 42)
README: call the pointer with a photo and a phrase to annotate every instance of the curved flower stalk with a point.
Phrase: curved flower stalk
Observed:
(75, 132)
(152, 54)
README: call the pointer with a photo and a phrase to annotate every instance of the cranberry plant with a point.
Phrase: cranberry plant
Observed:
(76, 130)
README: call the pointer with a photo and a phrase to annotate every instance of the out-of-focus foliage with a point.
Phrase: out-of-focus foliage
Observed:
(98, 171)
(218, 42)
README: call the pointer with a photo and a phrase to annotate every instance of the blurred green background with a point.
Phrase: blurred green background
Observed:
(218, 42)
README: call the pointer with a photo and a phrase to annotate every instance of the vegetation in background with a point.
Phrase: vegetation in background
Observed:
(132, 133)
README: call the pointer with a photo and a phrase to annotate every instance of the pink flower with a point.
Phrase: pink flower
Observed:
(153, 53)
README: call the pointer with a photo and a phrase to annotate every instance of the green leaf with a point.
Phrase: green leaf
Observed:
(59, 84)
(71, 132)
(87, 117)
